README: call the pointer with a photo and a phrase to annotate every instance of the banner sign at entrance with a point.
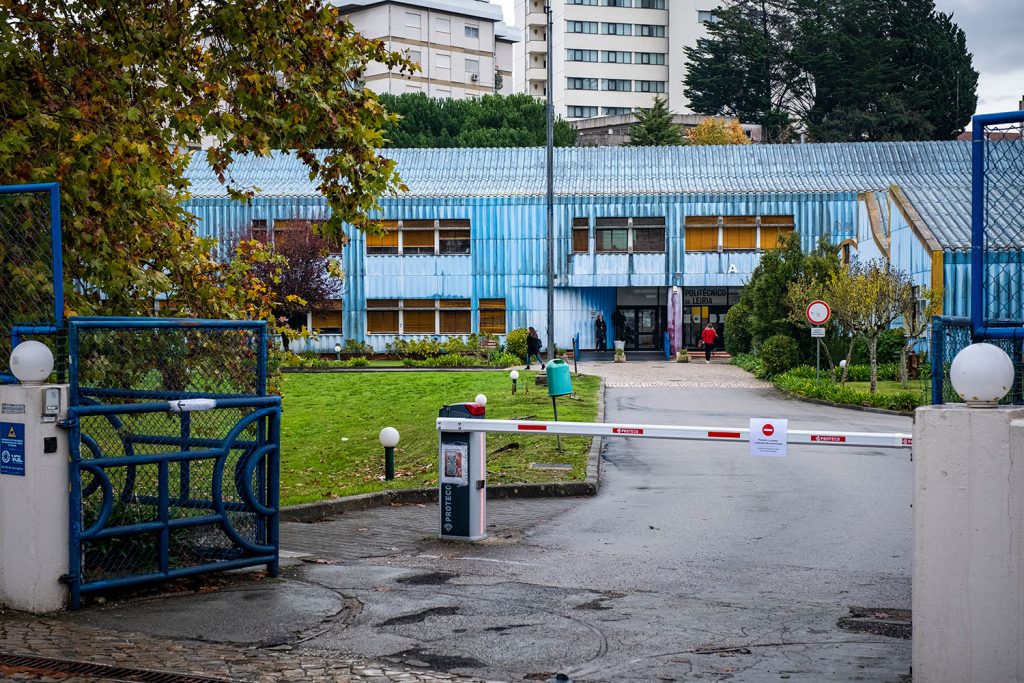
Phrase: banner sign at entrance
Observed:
(768, 437)
(708, 296)
(12, 448)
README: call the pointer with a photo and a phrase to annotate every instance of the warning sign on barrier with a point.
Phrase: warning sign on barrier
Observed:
(768, 437)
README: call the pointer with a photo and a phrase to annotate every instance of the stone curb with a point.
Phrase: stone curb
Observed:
(314, 512)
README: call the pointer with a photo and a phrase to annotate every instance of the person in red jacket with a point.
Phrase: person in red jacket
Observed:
(708, 337)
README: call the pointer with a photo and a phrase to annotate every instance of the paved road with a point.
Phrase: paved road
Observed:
(695, 561)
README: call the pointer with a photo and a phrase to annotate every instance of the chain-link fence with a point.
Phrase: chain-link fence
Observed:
(1002, 188)
(175, 450)
(125, 360)
(952, 335)
(30, 271)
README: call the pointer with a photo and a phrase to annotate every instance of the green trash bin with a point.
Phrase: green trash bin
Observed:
(559, 381)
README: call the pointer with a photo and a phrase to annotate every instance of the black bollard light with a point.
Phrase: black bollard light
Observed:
(389, 439)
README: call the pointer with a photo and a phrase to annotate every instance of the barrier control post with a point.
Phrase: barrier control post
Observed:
(462, 476)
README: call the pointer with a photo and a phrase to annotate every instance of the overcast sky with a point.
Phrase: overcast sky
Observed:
(995, 36)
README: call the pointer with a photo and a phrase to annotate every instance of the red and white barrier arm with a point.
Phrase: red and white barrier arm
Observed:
(793, 436)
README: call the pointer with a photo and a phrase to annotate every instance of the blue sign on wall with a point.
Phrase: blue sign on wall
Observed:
(12, 448)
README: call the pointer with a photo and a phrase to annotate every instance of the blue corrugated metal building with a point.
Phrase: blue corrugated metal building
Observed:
(639, 232)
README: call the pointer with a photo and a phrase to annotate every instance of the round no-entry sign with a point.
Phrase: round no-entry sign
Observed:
(768, 430)
(818, 312)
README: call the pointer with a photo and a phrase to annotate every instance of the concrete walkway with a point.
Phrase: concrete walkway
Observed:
(695, 561)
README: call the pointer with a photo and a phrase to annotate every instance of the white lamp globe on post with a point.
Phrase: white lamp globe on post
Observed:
(982, 375)
(514, 375)
(337, 349)
(481, 399)
(389, 437)
(31, 362)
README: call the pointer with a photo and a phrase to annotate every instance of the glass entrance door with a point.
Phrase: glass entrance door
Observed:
(640, 327)
(696, 318)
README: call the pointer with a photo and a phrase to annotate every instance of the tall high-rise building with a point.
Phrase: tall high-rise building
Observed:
(610, 57)
(462, 46)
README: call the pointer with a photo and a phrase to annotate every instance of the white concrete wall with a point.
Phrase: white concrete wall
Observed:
(435, 35)
(34, 508)
(968, 582)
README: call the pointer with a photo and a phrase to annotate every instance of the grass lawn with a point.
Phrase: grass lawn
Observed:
(330, 424)
(918, 386)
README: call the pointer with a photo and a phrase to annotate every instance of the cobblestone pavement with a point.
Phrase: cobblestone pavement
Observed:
(659, 373)
(61, 640)
(349, 538)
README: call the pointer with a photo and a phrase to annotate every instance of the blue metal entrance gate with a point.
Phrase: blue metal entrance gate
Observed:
(175, 450)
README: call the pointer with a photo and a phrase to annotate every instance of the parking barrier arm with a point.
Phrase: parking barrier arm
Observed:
(692, 433)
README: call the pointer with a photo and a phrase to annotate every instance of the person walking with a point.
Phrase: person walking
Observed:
(708, 337)
(601, 332)
(533, 348)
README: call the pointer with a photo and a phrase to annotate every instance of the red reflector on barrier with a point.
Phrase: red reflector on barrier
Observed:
(475, 409)
(532, 428)
(626, 430)
(723, 435)
(829, 438)
(906, 441)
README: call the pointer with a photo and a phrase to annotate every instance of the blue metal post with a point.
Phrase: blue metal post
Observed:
(977, 223)
(58, 255)
(75, 509)
(938, 335)
(274, 490)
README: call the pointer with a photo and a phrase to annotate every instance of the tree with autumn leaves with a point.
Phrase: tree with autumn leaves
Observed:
(109, 98)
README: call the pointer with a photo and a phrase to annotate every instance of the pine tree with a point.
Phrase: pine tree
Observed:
(654, 127)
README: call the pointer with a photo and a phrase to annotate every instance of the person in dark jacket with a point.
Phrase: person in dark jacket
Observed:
(601, 332)
(533, 348)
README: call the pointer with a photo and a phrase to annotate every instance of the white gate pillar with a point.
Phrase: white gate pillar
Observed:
(33, 499)
(968, 580)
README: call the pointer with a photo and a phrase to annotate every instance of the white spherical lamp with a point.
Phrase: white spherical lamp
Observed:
(31, 362)
(514, 375)
(481, 399)
(389, 437)
(981, 375)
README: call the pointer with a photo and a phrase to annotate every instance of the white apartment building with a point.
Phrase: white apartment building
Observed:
(610, 56)
(462, 46)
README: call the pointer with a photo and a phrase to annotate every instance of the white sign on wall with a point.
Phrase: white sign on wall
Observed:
(768, 437)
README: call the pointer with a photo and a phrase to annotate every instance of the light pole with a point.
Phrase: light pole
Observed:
(337, 350)
(550, 187)
(514, 375)
(389, 439)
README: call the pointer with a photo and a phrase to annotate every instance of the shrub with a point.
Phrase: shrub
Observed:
(750, 363)
(827, 390)
(448, 360)
(890, 344)
(515, 342)
(502, 359)
(778, 354)
(415, 348)
(352, 347)
(737, 329)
